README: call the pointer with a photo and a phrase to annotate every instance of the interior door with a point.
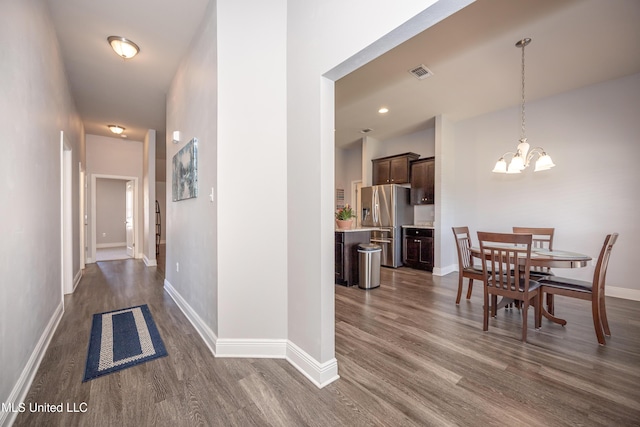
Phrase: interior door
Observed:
(129, 226)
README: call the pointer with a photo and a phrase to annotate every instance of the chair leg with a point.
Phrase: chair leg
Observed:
(603, 317)
(525, 310)
(538, 309)
(494, 305)
(470, 288)
(550, 307)
(485, 324)
(597, 322)
(459, 289)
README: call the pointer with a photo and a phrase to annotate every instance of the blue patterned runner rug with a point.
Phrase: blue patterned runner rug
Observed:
(121, 339)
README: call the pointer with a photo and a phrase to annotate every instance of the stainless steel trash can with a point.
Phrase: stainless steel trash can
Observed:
(369, 265)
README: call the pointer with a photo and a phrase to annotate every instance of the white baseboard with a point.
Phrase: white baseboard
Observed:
(111, 245)
(321, 374)
(624, 293)
(149, 262)
(76, 280)
(318, 373)
(443, 271)
(251, 348)
(209, 338)
(21, 388)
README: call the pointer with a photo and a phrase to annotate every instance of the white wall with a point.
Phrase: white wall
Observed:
(348, 168)
(592, 136)
(34, 107)
(116, 157)
(110, 212)
(191, 224)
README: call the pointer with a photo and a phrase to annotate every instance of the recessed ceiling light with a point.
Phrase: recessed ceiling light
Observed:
(124, 48)
(367, 130)
(116, 129)
(383, 110)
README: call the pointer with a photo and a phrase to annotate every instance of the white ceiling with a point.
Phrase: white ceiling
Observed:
(476, 66)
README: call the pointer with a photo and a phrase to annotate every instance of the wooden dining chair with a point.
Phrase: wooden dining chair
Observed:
(504, 254)
(591, 291)
(466, 269)
(542, 238)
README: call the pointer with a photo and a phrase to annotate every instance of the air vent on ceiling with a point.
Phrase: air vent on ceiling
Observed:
(367, 130)
(421, 72)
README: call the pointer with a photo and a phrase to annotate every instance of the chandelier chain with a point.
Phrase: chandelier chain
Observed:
(523, 133)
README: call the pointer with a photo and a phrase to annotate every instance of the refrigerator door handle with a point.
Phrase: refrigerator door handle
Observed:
(380, 241)
(376, 207)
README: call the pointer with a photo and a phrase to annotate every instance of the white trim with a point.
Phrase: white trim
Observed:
(321, 374)
(437, 271)
(111, 245)
(76, 280)
(203, 329)
(149, 262)
(624, 293)
(21, 388)
(251, 348)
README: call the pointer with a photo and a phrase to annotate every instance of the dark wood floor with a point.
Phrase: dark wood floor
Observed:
(408, 356)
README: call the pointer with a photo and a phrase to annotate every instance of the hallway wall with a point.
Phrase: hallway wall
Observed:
(35, 106)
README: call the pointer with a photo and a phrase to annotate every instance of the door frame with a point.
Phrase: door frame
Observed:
(66, 219)
(136, 210)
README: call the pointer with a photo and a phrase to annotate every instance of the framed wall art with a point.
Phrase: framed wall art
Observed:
(185, 172)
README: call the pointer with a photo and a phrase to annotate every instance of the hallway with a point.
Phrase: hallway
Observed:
(189, 387)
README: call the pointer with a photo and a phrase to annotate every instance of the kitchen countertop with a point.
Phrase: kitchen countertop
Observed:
(431, 227)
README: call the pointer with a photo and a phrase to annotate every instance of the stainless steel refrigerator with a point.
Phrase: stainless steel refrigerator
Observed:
(387, 207)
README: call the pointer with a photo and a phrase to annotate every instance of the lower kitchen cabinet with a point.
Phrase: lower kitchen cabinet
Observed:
(346, 255)
(418, 248)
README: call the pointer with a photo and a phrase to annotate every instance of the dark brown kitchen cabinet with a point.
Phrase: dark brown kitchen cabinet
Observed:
(423, 174)
(418, 248)
(393, 169)
(346, 255)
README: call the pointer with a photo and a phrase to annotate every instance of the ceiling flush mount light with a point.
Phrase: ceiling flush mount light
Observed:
(522, 157)
(383, 110)
(116, 129)
(124, 48)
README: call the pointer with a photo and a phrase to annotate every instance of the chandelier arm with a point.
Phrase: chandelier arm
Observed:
(537, 150)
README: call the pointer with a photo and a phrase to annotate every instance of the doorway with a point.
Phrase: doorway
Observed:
(114, 213)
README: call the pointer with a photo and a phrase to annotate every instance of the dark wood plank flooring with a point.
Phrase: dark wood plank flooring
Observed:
(408, 356)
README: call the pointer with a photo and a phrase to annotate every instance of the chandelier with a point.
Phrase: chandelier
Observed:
(522, 157)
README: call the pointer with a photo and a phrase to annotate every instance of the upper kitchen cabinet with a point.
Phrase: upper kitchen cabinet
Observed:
(393, 169)
(423, 181)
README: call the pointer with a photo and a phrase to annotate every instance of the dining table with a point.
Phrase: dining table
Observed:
(545, 259)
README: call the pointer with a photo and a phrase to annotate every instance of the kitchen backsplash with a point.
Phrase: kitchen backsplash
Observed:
(423, 215)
